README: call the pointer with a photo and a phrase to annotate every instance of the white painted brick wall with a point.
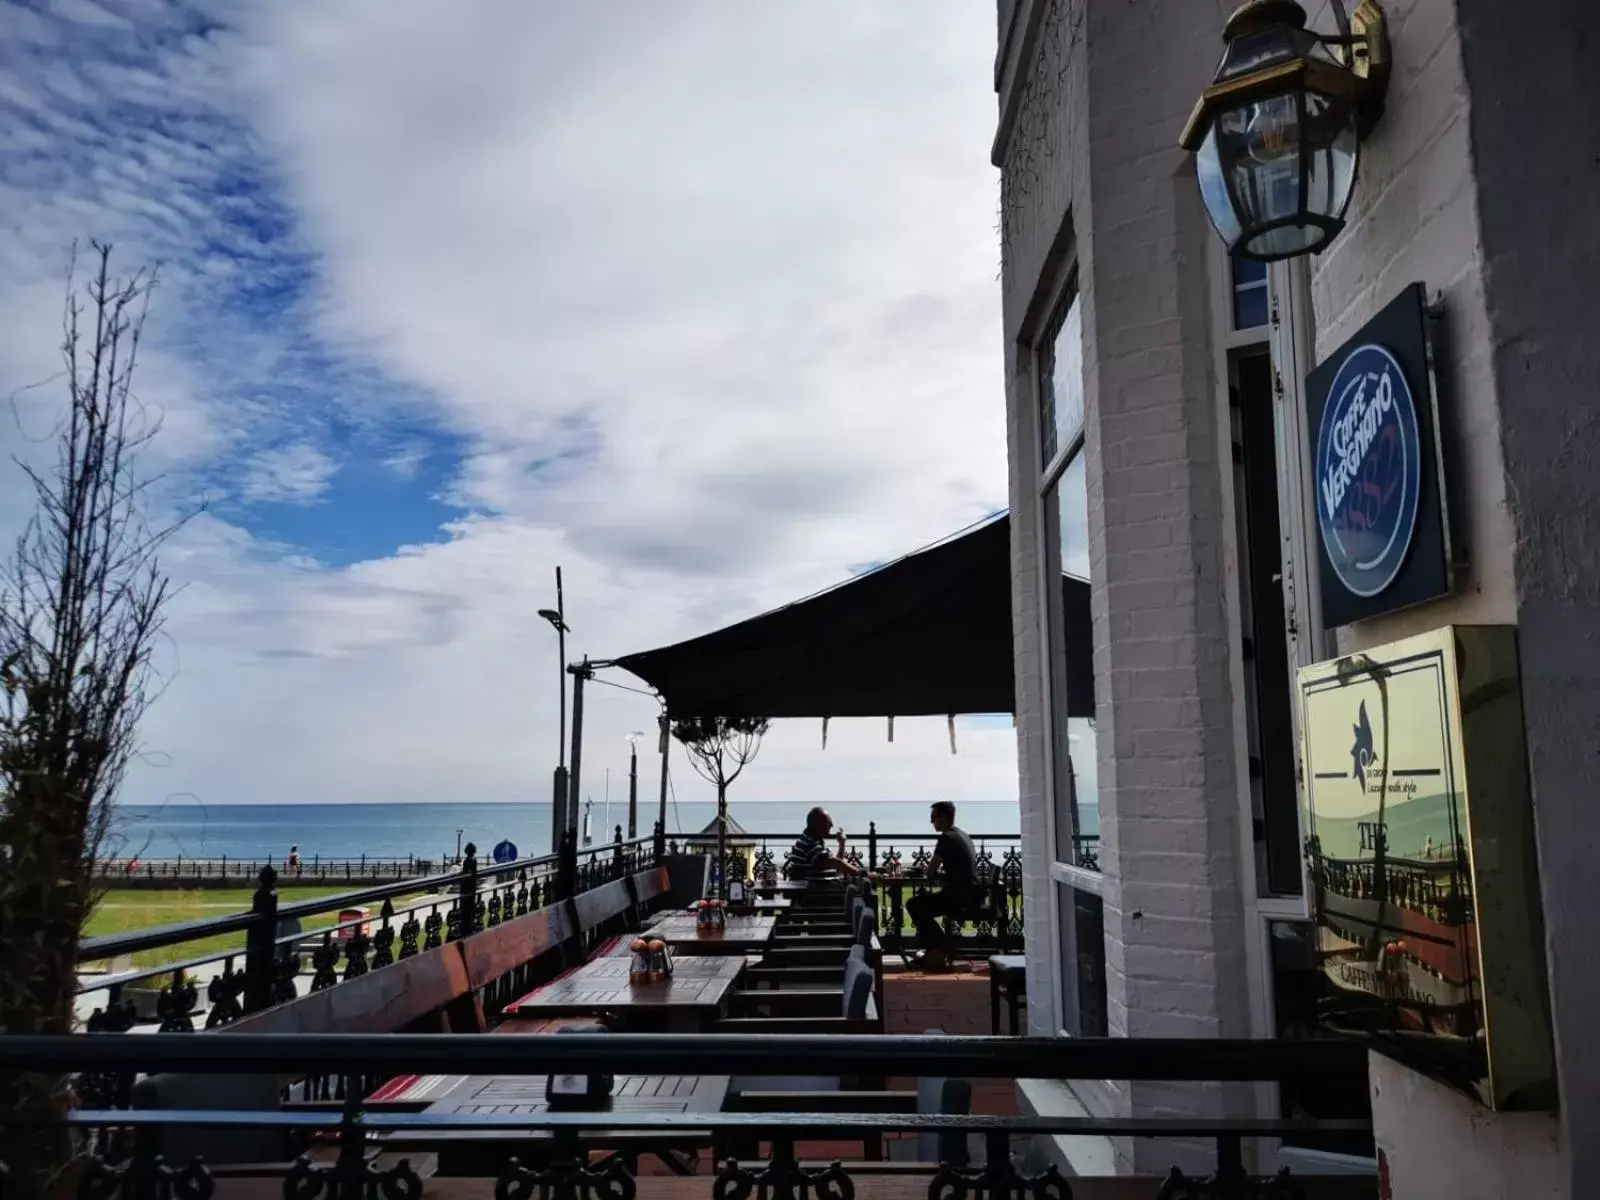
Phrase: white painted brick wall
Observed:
(1174, 937)
(1416, 217)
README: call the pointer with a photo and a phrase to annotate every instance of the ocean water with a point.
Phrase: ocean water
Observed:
(255, 831)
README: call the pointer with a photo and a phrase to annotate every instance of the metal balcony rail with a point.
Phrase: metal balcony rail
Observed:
(123, 1161)
(312, 868)
(900, 862)
(451, 905)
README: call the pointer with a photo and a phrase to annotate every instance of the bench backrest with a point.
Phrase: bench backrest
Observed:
(445, 980)
(493, 952)
(651, 885)
(449, 979)
(383, 1001)
(594, 908)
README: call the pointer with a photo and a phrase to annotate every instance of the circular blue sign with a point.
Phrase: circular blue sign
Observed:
(1369, 470)
(505, 852)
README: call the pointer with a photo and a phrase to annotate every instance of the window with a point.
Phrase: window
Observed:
(1250, 304)
(1081, 927)
(1065, 495)
(1062, 392)
(1072, 685)
(1067, 568)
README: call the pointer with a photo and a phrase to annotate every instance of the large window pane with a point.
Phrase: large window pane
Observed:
(1080, 921)
(1077, 784)
(1061, 385)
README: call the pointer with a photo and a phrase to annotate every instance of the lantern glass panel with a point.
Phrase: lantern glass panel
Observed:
(1214, 191)
(1334, 147)
(1259, 145)
(1254, 50)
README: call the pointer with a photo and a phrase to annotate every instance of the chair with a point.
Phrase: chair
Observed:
(816, 1093)
(803, 976)
(938, 1097)
(1008, 977)
(228, 1145)
(851, 1008)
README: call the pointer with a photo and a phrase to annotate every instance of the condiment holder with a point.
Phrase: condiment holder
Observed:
(652, 962)
(711, 918)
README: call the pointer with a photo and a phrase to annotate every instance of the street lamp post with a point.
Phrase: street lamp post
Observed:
(581, 673)
(558, 619)
(633, 784)
(666, 746)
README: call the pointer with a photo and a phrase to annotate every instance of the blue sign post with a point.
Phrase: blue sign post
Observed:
(1382, 537)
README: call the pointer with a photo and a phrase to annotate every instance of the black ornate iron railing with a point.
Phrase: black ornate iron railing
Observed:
(899, 862)
(564, 1153)
(269, 968)
(187, 869)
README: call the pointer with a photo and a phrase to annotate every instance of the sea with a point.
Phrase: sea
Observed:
(257, 831)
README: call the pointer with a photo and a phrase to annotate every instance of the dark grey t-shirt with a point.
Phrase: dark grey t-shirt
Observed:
(956, 852)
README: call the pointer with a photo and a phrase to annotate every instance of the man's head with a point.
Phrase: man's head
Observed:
(818, 822)
(942, 814)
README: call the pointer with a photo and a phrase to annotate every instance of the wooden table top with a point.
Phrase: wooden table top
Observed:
(602, 986)
(741, 934)
(482, 1095)
(515, 1095)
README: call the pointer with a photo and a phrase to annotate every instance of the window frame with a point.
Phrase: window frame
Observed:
(1063, 949)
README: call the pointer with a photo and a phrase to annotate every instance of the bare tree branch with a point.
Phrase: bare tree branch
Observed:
(82, 599)
(719, 750)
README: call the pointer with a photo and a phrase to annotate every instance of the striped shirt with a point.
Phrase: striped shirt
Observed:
(808, 858)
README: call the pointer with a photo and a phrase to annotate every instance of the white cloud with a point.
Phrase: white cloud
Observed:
(294, 474)
(708, 294)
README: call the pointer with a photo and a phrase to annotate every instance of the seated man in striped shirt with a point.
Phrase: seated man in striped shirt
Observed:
(810, 858)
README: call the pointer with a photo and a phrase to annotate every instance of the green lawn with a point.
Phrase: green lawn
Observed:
(124, 910)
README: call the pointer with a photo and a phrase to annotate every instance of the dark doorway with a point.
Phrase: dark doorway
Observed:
(1268, 691)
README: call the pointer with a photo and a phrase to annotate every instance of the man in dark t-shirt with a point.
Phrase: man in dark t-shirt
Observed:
(954, 864)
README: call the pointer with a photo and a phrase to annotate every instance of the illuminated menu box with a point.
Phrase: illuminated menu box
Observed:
(1421, 861)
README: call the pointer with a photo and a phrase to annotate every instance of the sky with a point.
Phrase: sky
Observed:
(699, 301)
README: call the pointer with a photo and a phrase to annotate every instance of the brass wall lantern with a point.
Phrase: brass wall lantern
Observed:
(1277, 135)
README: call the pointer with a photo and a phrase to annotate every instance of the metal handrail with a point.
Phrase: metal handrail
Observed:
(111, 945)
(818, 1125)
(1169, 1059)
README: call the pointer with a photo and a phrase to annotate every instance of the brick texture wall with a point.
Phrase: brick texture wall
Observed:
(1115, 194)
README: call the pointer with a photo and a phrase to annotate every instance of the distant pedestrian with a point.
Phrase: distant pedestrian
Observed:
(294, 859)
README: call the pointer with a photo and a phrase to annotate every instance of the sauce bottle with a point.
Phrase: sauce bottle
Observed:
(658, 960)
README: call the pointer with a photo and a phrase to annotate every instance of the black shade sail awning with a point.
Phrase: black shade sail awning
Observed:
(928, 634)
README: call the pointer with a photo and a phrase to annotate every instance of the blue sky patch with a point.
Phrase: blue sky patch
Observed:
(375, 500)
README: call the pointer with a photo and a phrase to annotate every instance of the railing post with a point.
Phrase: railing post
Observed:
(1230, 1162)
(872, 845)
(616, 853)
(469, 892)
(660, 847)
(259, 951)
(566, 867)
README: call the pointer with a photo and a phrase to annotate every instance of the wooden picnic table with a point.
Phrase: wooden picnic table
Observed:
(689, 1000)
(474, 1151)
(741, 935)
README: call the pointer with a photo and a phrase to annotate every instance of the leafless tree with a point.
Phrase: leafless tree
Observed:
(81, 607)
(719, 750)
